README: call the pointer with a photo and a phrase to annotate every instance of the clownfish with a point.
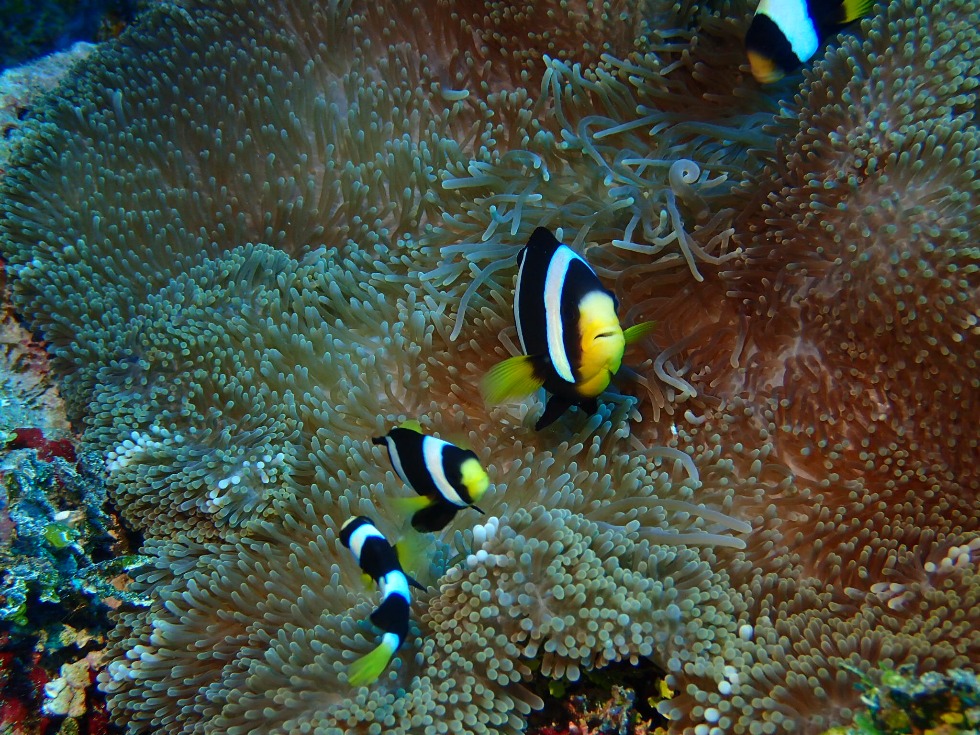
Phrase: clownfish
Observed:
(785, 34)
(568, 329)
(379, 560)
(445, 477)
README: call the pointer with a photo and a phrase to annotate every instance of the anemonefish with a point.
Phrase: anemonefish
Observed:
(568, 329)
(445, 477)
(379, 560)
(786, 33)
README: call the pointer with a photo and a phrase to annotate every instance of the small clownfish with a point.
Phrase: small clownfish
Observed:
(445, 477)
(785, 34)
(379, 560)
(568, 328)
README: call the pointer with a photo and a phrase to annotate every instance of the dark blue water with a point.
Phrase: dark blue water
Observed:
(32, 28)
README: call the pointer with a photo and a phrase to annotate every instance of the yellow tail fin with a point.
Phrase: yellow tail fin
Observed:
(512, 378)
(638, 331)
(368, 667)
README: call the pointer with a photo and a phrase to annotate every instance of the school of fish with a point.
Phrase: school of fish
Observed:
(572, 344)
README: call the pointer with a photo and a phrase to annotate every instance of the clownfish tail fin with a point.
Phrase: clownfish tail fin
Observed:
(638, 332)
(515, 377)
(368, 667)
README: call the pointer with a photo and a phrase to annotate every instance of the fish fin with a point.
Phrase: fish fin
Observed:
(367, 581)
(410, 550)
(434, 518)
(410, 505)
(555, 407)
(542, 236)
(412, 424)
(625, 371)
(638, 332)
(368, 667)
(515, 377)
(854, 9)
(461, 441)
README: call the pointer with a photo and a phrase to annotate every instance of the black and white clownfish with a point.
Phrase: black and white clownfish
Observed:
(379, 560)
(446, 477)
(568, 328)
(785, 34)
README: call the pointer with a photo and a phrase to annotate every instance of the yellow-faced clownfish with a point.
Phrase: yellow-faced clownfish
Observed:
(786, 33)
(445, 477)
(569, 332)
(378, 559)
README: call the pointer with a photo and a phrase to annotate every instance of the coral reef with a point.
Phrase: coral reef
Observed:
(598, 707)
(64, 567)
(901, 702)
(254, 235)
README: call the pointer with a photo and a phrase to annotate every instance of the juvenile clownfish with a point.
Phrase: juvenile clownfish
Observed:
(785, 34)
(378, 559)
(568, 328)
(445, 477)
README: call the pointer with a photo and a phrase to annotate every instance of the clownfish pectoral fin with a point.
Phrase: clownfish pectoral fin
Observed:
(638, 332)
(410, 551)
(368, 667)
(515, 377)
(367, 581)
(411, 505)
(434, 518)
(412, 424)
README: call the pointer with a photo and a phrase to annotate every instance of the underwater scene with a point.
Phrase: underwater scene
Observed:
(552, 367)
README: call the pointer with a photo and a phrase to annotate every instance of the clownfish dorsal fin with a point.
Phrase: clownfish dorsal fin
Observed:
(638, 332)
(515, 377)
(412, 424)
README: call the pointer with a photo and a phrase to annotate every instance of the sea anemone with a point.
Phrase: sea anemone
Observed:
(256, 235)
